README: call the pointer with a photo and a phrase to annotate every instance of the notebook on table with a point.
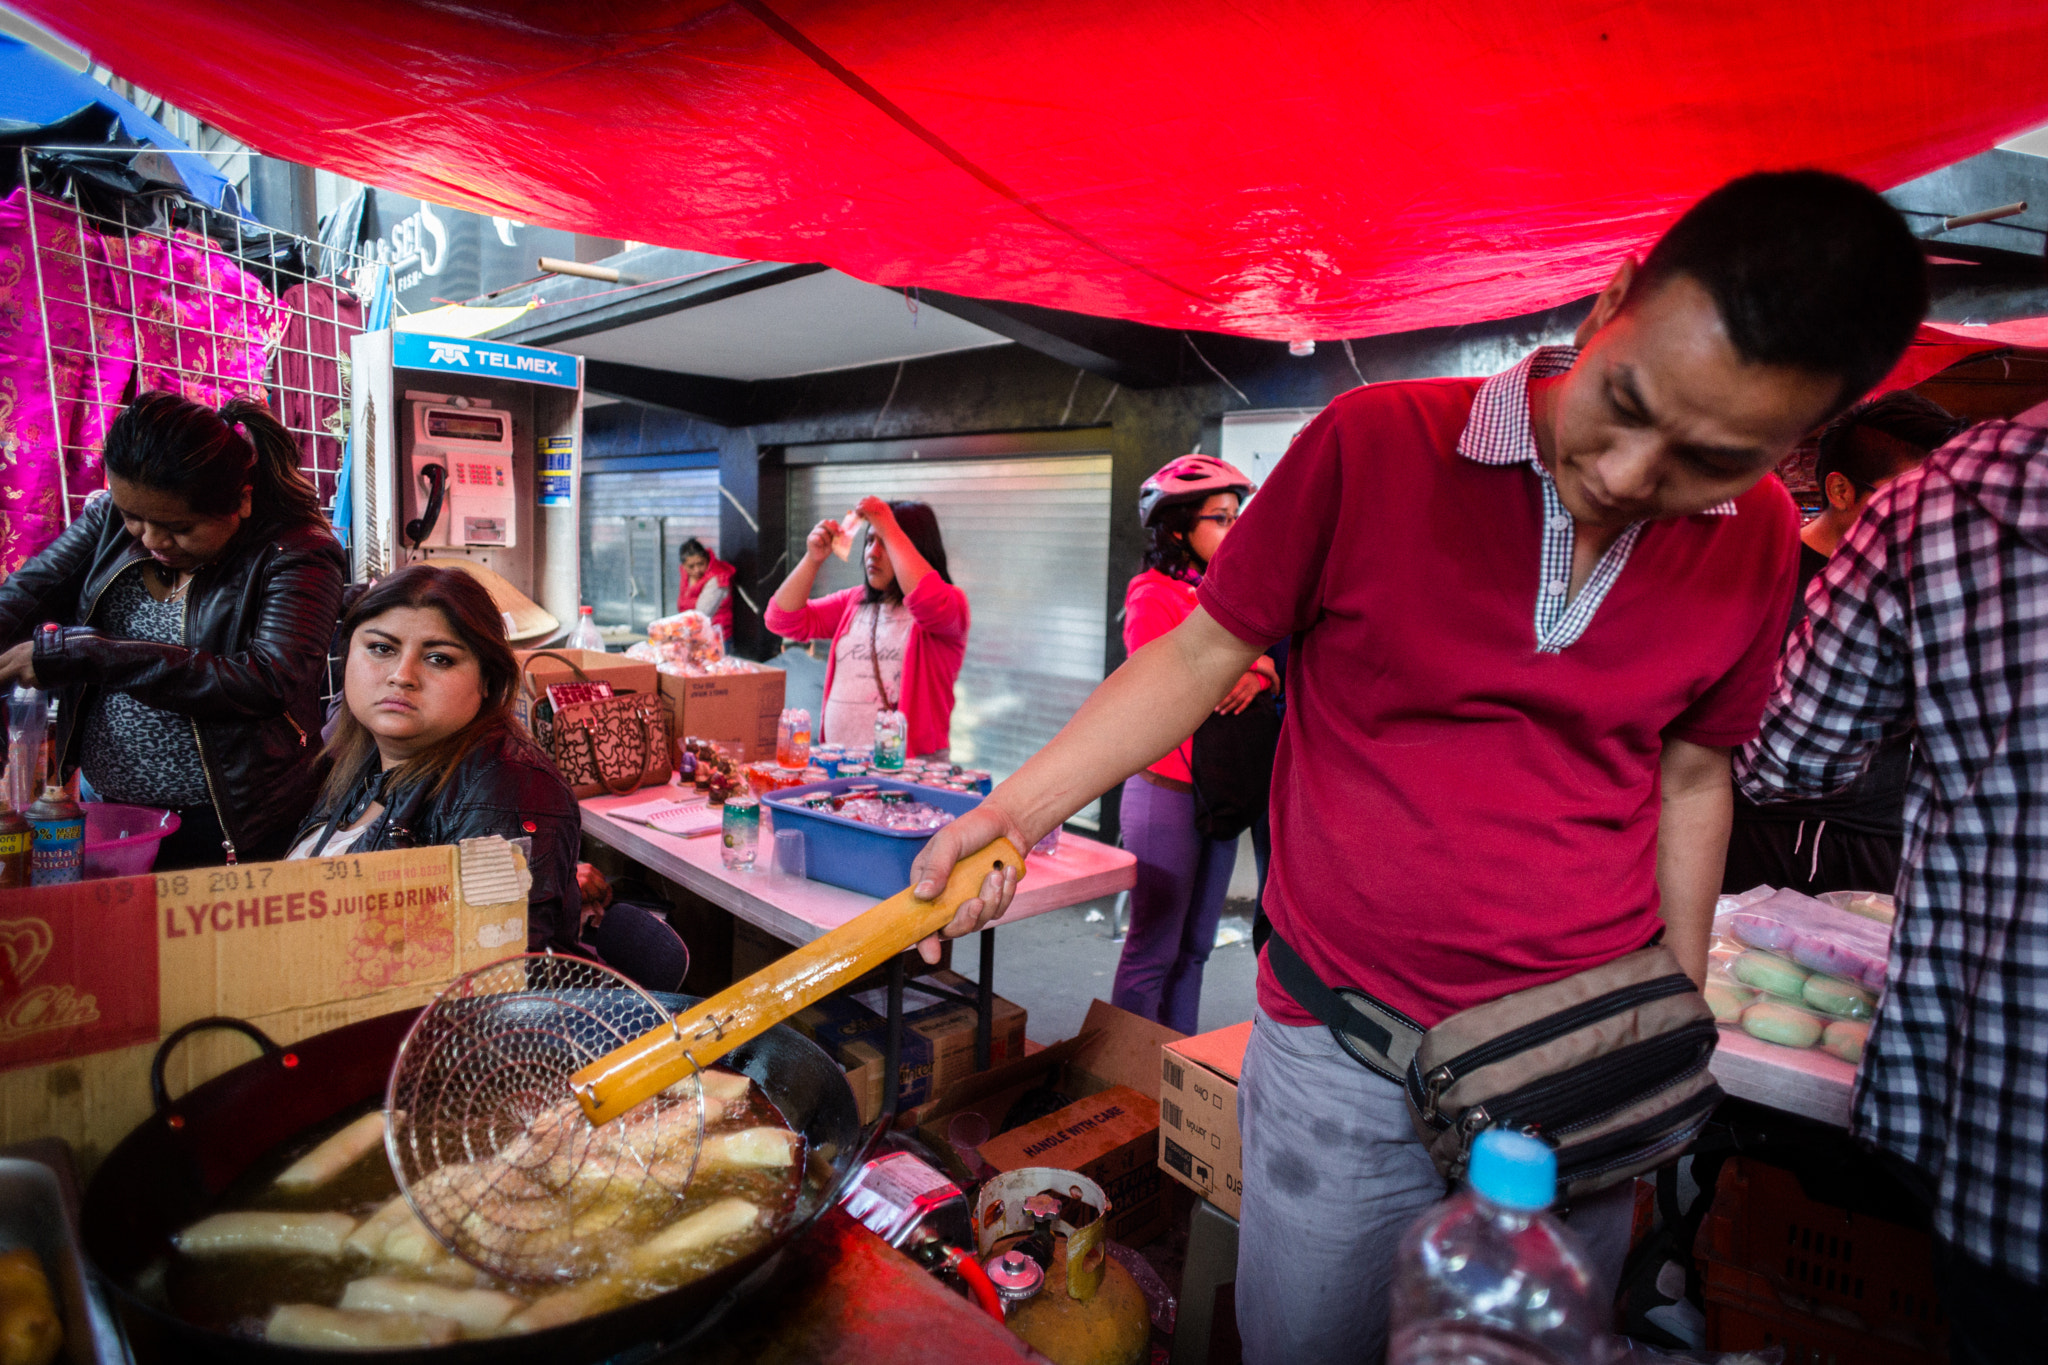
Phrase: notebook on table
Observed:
(681, 819)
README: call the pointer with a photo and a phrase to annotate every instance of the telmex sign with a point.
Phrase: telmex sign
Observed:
(500, 359)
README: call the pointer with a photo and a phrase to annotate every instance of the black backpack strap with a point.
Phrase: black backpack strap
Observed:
(1376, 1034)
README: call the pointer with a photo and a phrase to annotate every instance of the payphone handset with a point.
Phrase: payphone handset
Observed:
(460, 465)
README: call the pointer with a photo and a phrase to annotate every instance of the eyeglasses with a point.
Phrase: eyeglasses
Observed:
(1224, 519)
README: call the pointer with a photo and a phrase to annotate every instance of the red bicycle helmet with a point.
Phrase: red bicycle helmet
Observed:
(1191, 478)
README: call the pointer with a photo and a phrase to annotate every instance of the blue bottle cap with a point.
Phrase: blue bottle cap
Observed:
(1513, 1170)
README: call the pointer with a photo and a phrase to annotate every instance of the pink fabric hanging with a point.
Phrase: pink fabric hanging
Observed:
(67, 355)
(312, 381)
(87, 320)
(205, 325)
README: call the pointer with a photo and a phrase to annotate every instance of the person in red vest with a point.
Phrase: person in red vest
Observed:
(706, 586)
(1530, 617)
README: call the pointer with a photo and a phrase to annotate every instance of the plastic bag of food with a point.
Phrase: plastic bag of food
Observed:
(1814, 935)
(1873, 905)
(843, 534)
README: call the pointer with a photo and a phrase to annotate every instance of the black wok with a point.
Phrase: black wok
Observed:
(169, 1172)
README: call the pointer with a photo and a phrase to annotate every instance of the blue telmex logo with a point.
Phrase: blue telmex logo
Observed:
(417, 351)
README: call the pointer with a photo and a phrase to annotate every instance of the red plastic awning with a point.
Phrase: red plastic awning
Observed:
(1286, 168)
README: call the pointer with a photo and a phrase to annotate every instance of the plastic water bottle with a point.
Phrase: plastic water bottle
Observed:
(586, 635)
(1488, 1278)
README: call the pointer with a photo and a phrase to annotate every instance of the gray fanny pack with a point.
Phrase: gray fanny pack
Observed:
(1608, 1066)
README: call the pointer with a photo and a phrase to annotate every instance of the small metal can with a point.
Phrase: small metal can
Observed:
(17, 837)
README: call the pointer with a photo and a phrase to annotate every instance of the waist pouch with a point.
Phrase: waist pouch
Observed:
(1609, 1066)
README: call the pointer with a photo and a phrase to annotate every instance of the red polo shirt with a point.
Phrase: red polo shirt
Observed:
(1456, 814)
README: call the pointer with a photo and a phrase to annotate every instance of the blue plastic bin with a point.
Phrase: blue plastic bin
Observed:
(866, 858)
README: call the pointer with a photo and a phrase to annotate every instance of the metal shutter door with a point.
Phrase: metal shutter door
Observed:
(1028, 541)
(633, 524)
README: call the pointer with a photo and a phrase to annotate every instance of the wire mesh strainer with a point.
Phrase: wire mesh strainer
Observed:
(493, 1151)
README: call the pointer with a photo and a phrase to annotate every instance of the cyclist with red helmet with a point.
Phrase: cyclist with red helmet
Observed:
(1187, 508)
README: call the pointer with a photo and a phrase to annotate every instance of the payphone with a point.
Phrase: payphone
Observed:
(464, 451)
(458, 457)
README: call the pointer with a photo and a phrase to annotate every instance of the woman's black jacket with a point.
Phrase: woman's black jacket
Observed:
(249, 673)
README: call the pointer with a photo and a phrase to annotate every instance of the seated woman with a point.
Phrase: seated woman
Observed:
(427, 751)
(898, 639)
(184, 619)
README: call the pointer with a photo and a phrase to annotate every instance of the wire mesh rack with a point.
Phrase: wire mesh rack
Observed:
(103, 297)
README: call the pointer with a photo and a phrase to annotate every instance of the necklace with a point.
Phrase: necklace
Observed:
(169, 578)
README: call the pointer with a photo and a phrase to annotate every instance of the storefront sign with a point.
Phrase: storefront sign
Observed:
(441, 255)
(496, 359)
(557, 479)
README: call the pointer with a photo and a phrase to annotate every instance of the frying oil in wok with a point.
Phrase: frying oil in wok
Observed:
(236, 1293)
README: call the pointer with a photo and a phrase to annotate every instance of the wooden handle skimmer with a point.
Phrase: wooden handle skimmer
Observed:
(657, 1059)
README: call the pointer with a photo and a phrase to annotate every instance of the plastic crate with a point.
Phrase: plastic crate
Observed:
(1769, 1252)
(1737, 1323)
(864, 858)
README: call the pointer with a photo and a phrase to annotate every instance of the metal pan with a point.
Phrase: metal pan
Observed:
(169, 1172)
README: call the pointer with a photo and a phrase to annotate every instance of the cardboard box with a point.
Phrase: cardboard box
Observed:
(1112, 1138)
(938, 1039)
(624, 674)
(1198, 1139)
(1114, 1049)
(858, 1039)
(736, 710)
(97, 972)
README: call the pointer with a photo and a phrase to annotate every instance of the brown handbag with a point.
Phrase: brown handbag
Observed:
(610, 744)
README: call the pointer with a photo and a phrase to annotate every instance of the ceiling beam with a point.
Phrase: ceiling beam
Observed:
(614, 306)
(726, 402)
(1130, 353)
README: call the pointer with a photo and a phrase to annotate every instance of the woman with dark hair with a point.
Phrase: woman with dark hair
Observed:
(427, 751)
(897, 639)
(1187, 508)
(706, 586)
(184, 619)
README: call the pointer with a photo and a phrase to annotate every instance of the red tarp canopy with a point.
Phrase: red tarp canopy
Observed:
(1282, 169)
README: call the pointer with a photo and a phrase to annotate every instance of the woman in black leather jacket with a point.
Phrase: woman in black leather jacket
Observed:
(184, 619)
(427, 752)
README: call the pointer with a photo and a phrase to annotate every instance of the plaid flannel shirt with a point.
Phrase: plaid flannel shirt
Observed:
(1932, 619)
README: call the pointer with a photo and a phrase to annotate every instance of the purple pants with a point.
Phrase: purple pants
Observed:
(1182, 880)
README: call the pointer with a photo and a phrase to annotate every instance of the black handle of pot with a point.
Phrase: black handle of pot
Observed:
(160, 1094)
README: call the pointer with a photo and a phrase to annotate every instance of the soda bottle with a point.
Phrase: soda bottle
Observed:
(586, 635)
(1488, 1278)
(57, 827)
(16, 837)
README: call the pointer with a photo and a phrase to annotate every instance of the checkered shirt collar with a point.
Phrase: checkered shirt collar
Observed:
(1499, 432)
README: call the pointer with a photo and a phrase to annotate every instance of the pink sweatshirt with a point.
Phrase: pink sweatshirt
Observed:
(931, 657)
(1153, 605)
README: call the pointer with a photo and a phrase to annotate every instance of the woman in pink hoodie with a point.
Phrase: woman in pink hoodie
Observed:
(897, 640)
(1188, 508)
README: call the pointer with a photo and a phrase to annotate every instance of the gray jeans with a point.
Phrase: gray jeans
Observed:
(1333, 1177)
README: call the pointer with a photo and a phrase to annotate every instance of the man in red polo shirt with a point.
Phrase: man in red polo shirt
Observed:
(1531, 616)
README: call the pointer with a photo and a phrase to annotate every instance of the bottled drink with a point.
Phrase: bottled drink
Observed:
(892, 737)
(793, 739)
(57, 827)
(586, 635)
(1488, 1278)
(741, 831)
(16, 838)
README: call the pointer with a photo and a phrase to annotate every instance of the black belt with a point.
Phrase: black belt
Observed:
(1374, 1033)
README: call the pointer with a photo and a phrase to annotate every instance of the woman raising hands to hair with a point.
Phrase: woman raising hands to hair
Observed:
(898, 638)
(184, 619)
